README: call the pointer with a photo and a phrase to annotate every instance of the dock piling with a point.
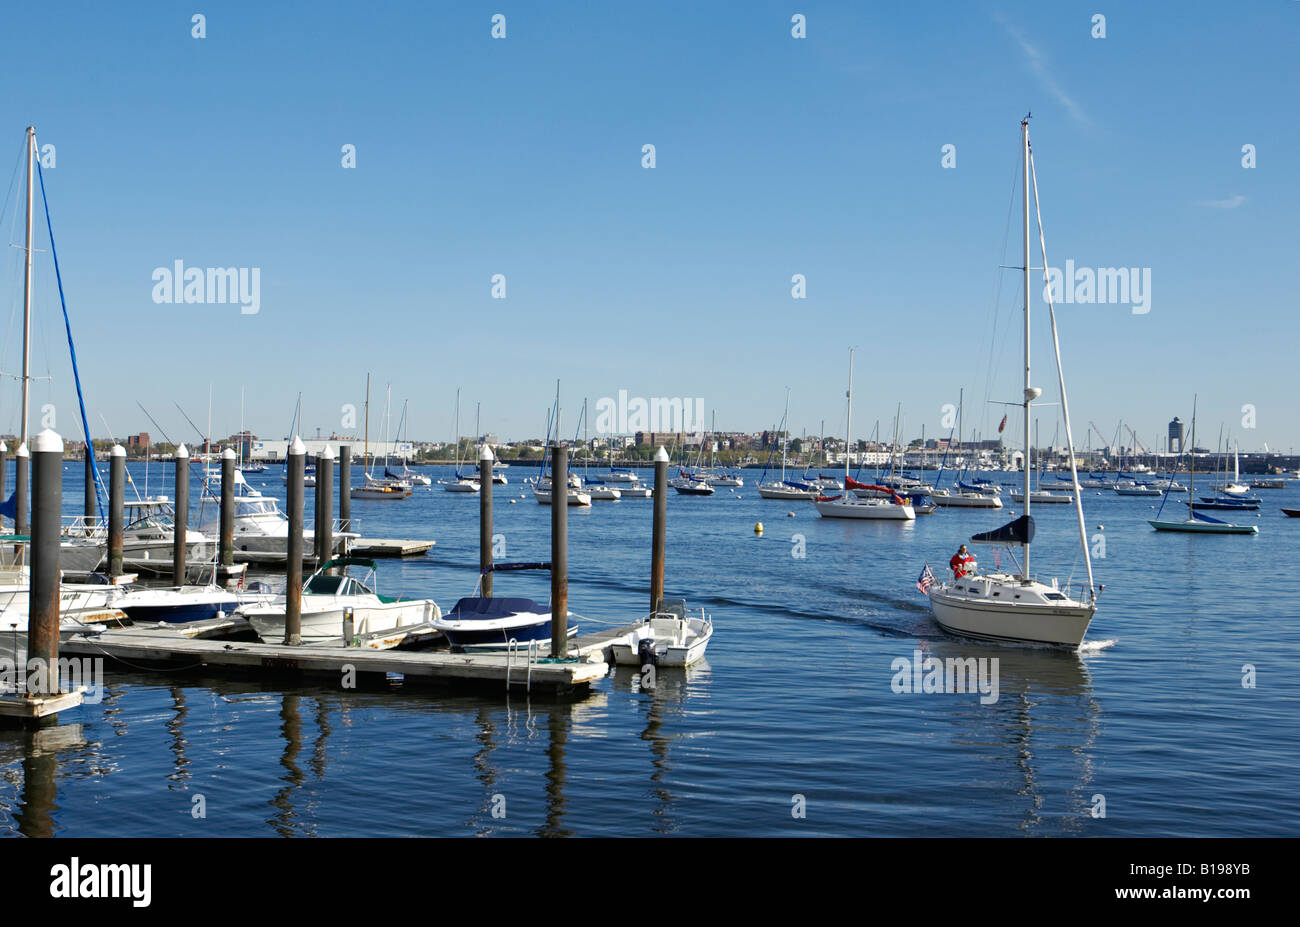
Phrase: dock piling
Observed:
(559, 551)
(116, 497)
(345, 487)
(43, 611)
(658, 543)
(4, 474)
(88, 507)
(485, 521)
(22, 463)
(324, 536)
(295, 463)
(226, 537)
(181, 520)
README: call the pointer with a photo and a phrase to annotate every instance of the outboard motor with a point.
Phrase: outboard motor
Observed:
(645, 652)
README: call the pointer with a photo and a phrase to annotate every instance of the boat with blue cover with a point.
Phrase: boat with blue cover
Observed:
(493, 623)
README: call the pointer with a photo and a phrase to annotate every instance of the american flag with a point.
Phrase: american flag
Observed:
(925, 580)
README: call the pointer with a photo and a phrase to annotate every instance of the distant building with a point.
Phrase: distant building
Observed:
(140, 440)
(1177, 435)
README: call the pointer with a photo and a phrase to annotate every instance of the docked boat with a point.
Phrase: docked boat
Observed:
(670, 637)
(344, 590)
(261, 529)
(497, 623)
(188, 603)
(1017, 607)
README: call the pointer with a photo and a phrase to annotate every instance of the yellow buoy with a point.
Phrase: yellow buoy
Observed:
(758, 528)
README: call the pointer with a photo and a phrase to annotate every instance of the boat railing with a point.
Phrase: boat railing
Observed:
(84, 526)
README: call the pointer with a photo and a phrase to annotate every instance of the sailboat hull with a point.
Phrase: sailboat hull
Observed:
(967, 608)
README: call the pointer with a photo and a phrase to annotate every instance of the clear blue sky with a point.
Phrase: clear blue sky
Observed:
(775, 156)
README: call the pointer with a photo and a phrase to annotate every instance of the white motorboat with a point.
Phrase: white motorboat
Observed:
(332, 596)
(80, 604)
(1002, 606)
(576, 496)
(670, 637)
(599, 492)
(637, 491)
(188, 603)
(725, 480)
(1045, 497)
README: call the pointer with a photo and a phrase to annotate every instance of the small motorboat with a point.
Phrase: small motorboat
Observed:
(478, 623)
(332, 596)
(1291, 513)
(188, 603)
(670, 637)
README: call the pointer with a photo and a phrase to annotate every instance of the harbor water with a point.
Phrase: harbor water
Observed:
(1176, 719)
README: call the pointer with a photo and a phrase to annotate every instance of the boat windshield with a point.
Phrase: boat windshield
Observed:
(257, 506)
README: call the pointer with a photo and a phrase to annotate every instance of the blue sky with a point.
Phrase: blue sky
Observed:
(775, 156)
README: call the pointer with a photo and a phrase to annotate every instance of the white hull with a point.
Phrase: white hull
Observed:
(380, 625)
(607, 493)
(966, 500)
(1020, 613)
(880, 510)
(787, 492)
(1044, 497)
(575, 497)
(677, 642)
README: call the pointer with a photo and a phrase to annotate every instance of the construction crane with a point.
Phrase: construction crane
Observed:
(1136, 443)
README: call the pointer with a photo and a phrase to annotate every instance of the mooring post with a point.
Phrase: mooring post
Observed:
(324, 506)
(22, 463)
(226, 538)
(295, 462)
(43, 608)
(182, 517)
(345, 487)
(116, 497)
(485, 521)
(88, 507)
(560, 551)
(660, 531)
(4, 474)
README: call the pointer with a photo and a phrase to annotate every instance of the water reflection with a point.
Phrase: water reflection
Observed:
(38, 754)
(1046, 708)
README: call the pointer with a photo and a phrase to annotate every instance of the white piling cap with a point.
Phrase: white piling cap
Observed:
(4, 448)
(486, 453)
(328, 453)
(661, 456)
(117, 450)
(296, 446)
(23, 452)
(182, 451)
(48, 440)
(228, 454)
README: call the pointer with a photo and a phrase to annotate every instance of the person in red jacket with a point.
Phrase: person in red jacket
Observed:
(961, 563)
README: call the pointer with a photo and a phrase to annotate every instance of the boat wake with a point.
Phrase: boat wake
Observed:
(1088, 647)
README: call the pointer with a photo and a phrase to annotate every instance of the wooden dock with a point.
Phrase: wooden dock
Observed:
(389, 547)
(35, 710)
(164, 646)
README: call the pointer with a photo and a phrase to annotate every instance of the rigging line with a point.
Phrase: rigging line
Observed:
(72, 350)
(1060, 374)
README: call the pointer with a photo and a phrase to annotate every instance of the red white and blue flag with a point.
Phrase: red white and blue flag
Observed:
(925, 580)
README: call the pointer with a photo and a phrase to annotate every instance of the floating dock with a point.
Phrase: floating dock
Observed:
(168, 646)
(389, 547)
(35, 710)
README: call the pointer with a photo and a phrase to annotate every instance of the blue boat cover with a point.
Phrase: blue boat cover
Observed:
(477, 608)
(797, 485)
(1201, 516)
(1020, 531)
(9, 508)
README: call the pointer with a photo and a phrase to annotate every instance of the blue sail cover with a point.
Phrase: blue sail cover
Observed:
(9, 508)
(1020, 531)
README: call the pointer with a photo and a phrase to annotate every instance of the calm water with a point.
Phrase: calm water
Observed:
(795, 698)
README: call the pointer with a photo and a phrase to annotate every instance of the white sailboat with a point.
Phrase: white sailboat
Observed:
(783, 488)
(1016, 607)
(459, 483)
(374, 488)
(848, 505)
(1197, 522)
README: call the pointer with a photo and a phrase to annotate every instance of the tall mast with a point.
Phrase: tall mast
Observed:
(1024, 135)
(1191, 464)
(365, 457)
(457, 452)
(785, 430)
(27, 281)
(848, 425)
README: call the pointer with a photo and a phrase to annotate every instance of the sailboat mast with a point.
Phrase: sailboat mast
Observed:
(365, 457)
(1024, 137)
(785, 431)
(848, 425)
(27, 282)
(1191, 463)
